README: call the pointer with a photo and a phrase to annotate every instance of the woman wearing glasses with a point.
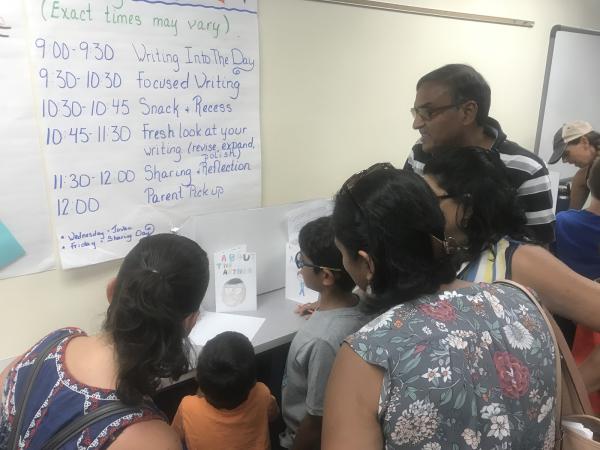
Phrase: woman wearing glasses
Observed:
(448, 364)
(487, 226)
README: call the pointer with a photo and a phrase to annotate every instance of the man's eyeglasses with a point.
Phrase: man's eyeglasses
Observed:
(565, 156)
(427, 113)
(444, 196)
(300, 263)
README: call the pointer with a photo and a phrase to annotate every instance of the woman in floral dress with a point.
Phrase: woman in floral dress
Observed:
(448, 364)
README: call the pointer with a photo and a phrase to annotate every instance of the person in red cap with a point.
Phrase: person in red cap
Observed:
(577, 143)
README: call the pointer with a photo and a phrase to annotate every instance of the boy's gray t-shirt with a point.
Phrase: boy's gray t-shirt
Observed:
(309, 362)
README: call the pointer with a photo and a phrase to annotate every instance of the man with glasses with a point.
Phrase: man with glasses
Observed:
(451, 109)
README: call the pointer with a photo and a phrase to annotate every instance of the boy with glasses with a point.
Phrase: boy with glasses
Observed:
(315, 346)
(451, 109)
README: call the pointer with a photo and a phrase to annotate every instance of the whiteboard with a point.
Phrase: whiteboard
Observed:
(571, 88)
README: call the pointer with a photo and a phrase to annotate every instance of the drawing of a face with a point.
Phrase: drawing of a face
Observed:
(234, 292)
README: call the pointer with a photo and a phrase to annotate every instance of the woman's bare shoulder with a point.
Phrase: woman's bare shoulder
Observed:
(148, 435)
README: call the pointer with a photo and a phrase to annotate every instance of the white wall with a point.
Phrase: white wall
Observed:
(337, 83)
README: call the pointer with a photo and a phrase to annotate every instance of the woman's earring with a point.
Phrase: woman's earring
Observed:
(369, 290)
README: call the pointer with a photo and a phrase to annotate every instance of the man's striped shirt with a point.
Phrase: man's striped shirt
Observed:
(527, 173)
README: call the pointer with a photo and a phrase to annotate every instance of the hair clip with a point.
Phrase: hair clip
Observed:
(452, 246)
(449, 244)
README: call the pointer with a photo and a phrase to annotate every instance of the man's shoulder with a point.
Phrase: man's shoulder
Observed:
(517, 157)
(509, 147)
(417, 153)
(417, 158)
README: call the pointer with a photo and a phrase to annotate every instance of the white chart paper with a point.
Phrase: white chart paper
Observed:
(300, 216)
(149, 113)
(210, 324)
(295, 288)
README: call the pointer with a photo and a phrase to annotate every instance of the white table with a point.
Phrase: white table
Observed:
(279, 327)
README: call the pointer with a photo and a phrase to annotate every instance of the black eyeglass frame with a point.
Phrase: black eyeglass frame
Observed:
(300, 263)
(426, 114)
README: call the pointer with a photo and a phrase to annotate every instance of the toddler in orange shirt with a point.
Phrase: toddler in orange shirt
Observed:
(232, 410)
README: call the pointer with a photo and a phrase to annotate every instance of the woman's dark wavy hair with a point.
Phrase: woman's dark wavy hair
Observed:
(162, 280)
(392, 215)
(478, 180)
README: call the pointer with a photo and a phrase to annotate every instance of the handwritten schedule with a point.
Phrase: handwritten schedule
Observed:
(149, 114)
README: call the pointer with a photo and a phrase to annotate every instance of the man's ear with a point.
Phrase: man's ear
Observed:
(110, 289)
(469, 110)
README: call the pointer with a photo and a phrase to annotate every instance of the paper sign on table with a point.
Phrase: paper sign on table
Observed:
(235, 280)
(300, 216)
(210, 324)
(295, 289)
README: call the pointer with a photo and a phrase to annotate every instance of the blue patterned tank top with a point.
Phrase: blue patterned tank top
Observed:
(57, 399)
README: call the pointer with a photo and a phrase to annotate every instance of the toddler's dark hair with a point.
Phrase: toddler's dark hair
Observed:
(226, 370)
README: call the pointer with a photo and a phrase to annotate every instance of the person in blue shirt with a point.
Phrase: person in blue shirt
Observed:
(578, 232)
(578, 246)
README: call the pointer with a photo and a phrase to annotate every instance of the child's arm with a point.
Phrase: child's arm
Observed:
(306, 309)
(308, 436)
(273, 410)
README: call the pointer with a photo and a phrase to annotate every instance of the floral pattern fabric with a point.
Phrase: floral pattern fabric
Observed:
(468, 369)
